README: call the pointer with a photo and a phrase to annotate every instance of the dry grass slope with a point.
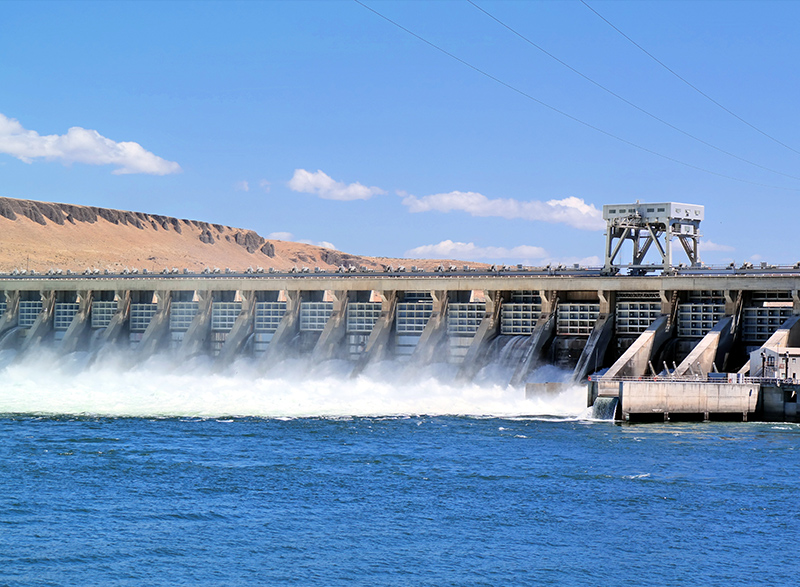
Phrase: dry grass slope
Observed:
(43, 235)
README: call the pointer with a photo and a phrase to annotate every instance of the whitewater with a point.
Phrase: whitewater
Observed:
(118, 383)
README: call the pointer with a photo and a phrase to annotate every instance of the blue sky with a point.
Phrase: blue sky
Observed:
(323, 122)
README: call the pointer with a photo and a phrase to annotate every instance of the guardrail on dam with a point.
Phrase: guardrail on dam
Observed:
(681, 324)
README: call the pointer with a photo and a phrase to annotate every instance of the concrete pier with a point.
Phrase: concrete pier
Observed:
(335, 329)
(435, 329)
(475, 357)
(635, 360)
(591, 358)
(241, 330)
(541, 336)
(376, 348)
(79, 325)
(286, 330)
(196, 336)
(158, 328)
(711, 352)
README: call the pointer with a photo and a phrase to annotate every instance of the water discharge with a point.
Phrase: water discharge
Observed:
(117, 384)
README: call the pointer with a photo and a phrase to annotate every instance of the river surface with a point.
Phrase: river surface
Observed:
(115, 476)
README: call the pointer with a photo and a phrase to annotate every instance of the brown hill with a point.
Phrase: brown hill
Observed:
(42, 235)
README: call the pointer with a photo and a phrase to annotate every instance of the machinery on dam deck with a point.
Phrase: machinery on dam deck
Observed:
(688, 341)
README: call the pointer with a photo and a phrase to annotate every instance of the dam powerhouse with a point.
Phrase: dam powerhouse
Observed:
(651, 341)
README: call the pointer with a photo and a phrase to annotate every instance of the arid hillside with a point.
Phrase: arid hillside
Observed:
(41, 236)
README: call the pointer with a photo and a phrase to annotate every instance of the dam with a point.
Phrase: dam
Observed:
(658, 341)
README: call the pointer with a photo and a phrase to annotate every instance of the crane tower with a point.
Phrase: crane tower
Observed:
(651, 226)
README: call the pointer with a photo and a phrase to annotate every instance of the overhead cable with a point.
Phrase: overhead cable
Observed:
(688, 83)
(628, 102)
(561, 112)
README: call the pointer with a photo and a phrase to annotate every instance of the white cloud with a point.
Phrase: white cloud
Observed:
(571, 211)
(242, 186)
(457, 250)
(708, 246)
(326, 187)
(280, 236)
(525, 254)
(80, 145)
(264, 185)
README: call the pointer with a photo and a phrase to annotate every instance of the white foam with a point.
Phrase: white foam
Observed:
(117, 385)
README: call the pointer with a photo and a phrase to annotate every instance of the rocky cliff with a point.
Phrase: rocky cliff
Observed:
(43, 235)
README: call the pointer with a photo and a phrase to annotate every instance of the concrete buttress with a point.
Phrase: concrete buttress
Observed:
(43, 324)
(487, 331)
(591, 358)
(196, 336)
(378, 340)
(434, 330)
(120, 318)
(541, 335)
(10, 317)
(709, 352)
(335, 329)
(76, 332)
(635, 360)
(242, 328)
(788, 335)
(158, 327)
(286, 330)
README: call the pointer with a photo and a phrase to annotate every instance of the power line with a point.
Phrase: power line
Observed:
(561, 112)
(628, 102)
(688, 83)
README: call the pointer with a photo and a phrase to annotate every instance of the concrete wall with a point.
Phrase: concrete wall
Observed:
(680, 397)
(405, 282)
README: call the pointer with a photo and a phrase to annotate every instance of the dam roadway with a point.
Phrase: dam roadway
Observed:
(684, 324)
(768, 279)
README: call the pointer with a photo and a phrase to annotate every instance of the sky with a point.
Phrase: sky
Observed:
(486, 131)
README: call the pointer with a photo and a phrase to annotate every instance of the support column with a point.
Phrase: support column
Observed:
(77, 328)
(242, 329)
(487, 331)
(434, 330)
(634, 362)
(608, 300)
(10, 317)
(732, 302)
(44, 322)
(197, 334)
(286, 330)
(380, 336)
(711, 351)
(159, 325)
(334, 331)
(540, 337)
(117, 324)
(591, 358)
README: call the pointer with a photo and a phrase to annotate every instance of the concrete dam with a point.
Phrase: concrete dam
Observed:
(678, 327)
(688, 342)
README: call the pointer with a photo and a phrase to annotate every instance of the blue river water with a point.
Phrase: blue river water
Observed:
(395, 501)
(128, 475)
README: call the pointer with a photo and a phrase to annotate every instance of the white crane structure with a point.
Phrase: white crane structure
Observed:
(650, 226)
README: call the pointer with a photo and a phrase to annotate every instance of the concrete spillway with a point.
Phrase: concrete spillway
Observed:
(677, 326)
